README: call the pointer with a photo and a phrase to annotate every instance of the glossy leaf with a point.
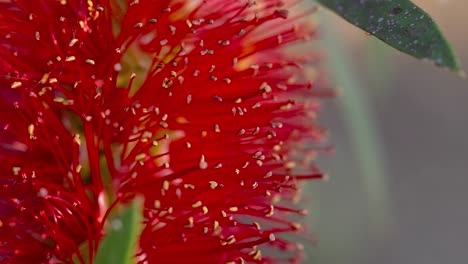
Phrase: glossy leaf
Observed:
(401, 24)
(120, 243)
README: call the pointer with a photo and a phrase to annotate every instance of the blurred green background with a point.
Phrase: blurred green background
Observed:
(399, 174)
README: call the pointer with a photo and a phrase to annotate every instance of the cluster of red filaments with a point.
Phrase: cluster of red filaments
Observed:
(193, 105)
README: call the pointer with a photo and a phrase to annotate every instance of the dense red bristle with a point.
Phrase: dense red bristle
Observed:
(195, 105)
(47, 73)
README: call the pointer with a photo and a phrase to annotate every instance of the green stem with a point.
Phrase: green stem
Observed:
(363, 133)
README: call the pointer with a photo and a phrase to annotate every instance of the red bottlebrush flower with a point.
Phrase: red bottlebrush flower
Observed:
(194, 105)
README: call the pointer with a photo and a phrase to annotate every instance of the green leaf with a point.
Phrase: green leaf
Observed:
(120, 243)
(401, 24)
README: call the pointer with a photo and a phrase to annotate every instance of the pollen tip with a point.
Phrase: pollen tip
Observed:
(203, 164)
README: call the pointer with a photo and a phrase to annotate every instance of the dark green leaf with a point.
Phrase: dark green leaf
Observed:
(401, 24)
(120, 243)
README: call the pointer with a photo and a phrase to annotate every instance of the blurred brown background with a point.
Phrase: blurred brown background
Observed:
(420, 119)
